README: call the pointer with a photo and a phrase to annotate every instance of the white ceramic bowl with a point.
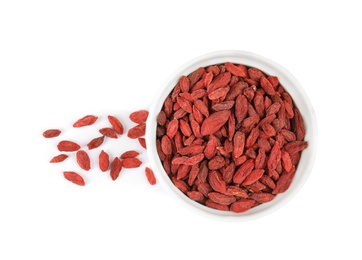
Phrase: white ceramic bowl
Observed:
(289, 83)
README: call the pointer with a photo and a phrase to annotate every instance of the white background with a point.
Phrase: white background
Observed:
(61, 60)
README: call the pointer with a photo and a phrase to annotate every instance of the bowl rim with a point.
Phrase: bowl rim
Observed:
(287, 80)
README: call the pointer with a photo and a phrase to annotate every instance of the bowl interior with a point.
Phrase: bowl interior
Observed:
(289, 83)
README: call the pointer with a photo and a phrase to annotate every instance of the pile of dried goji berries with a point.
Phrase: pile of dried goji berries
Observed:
(127, 159)
(230, 137)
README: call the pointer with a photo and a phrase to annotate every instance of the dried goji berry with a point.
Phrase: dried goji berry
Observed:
(109, 132)
(116, 124)
(267, 86)
(131, 163)
(139, 116)
(129, 154)
(59, 158)
(68, 146)
(217, 182)
(221, 198)
(188, 160)
(137, 131)
(85, 121)
(243, 171)
(214, 205)
(242, 205)
(184, 84)
(255, 74)
(172, 128)
(181, 185)
(213, 123)
(283, 183)
(236, 191)
(196, 195)
(150, 176)
(253, 176)
(95, 143)
(239, 70)
(116, 167)
(103, 161)
(142, 142)
(74, 177)
(261, 197)
(51, 133)
(220, 81)
(83, 160)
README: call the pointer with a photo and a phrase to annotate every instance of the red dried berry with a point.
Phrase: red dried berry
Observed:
(116, 167)
(85, 121)
(103, 161)
(109, 132)
(51, 133)
(242, 205)
(68, 146)
(142, 142)
(150, 176)
(131, 163)
(137, 131)
(74, 177)
(129, 154)
(83, 160)
(95, 143)
(139, 116)
(116, 124)
(59, 158)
